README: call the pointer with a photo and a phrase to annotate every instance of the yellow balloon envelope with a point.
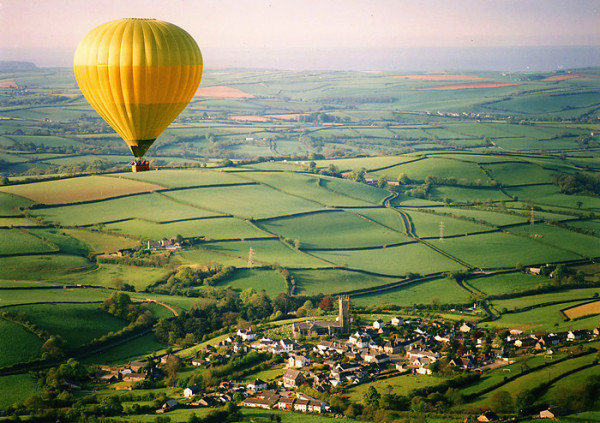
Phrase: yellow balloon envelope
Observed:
(138, 74)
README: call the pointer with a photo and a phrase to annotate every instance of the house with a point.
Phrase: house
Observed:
(134, 377)
(525, 342)
(287, 345)
(488, 416)
(301, 405)
(552, 413)
(238, 347)
(467, 327)
(257, 385)
(316, 406)
(246, 335)
(576, 335)
(255, 402)
(378, 324)
(392, 348)
(293, 378)
(190, 391)
(169, 405)
(397, 321)
(136, 366)
(286, 403)
(169, 358)
(296, 360)
(377, 359)
(197, 362)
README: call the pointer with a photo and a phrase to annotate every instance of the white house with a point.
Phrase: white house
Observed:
(397, 321)
(191, 391)
(247, 335)
(257, 385)
(378, 324)
(297, 360)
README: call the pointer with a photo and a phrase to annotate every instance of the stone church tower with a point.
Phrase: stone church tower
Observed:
(344, 313)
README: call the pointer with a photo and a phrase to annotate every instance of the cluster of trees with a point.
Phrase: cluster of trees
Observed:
(578, 183)
(137, 257)
(186, 280)
(120, 305)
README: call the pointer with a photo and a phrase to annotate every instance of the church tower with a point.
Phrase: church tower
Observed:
(344, 313)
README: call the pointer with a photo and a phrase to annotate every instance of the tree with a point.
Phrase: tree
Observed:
(501, 402)
(326, 303)
(371, 397)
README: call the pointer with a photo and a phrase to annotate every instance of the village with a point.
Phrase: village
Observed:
(332, 356)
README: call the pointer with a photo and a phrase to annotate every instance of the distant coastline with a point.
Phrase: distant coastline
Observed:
(507, 59)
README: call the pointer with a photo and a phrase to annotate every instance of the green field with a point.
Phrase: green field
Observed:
(15, 241)
(155, 207)
(13, 334)
(505, 283)
(77, 324)
(392, 261)
(241, 201)
(428, 225)
(136, 349)
(217, 228)
(184, 178)
(17, 388)
(584, 245)
(42, 267)
(501, 250)
(269, 280)
(443, 291)
(310, 282)
(315, 231)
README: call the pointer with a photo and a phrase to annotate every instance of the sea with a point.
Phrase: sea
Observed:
(507, 59)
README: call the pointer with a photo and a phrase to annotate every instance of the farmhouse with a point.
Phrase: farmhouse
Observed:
(191, 391)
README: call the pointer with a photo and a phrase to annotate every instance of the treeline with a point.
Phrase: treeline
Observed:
(207, 319)
(578, 183)
(185, 279)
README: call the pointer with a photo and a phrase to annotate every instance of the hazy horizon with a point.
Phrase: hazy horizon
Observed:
(507, 35)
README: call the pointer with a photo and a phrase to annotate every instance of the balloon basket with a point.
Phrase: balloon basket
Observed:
(140, 166)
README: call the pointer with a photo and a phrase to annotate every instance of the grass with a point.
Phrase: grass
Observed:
(534, 378)
(109, 275)
(392, 261)
(506, 283)
(557, 296)
(441, 290)
(13, 334)
(170, 178)
(583, 245)
(66, 295)
(383, 216)
(17, 388)
(436, 166)
(467, 194)
(550, 195)
(10, 203)
(499, 250)
(310, 282)
(77, 324)
(42, 267)
(269, 280)
(547, 318)
(65, 243)
(102, 242)
(219, 228)
(519, 173)
(7, 222)
(15, 241)
(305, 186)
(133, 350)
(242, 201)
(428, 225)
(355, 190)
(400, 385)
(268, 251)
(480, 216)
(332, 230)
(148, 206)
(75, 190)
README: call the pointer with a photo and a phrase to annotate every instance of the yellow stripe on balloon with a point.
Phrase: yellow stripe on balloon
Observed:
(138, 74)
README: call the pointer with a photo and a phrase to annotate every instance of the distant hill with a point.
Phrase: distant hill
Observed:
(10, 66)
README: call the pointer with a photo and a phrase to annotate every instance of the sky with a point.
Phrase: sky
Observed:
(266, 33)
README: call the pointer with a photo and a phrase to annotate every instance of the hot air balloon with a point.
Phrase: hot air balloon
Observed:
(138, 74)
